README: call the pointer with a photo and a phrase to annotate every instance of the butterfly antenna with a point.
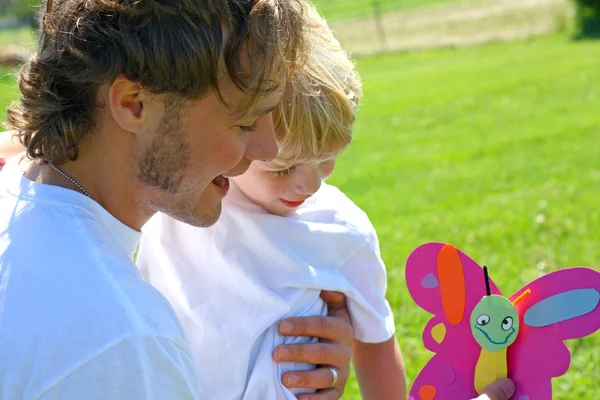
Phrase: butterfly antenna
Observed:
(487, 280)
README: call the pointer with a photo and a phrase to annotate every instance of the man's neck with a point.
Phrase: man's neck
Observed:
(105, 168)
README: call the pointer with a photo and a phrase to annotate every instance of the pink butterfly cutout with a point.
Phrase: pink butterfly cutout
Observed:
(447, 283)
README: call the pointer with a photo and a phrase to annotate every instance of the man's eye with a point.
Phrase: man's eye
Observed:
(248, 128)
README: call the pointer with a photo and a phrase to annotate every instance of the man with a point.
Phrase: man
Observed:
(128, 108)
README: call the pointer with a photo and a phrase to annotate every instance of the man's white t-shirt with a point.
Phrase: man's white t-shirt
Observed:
(230, 284)
(77, 321)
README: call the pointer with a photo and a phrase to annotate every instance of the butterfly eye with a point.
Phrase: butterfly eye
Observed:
(507, 323)
(483, 320)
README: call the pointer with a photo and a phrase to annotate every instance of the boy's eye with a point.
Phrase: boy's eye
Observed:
(248, 128)
(285, 172)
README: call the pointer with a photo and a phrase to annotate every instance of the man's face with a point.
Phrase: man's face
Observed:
(196, 146)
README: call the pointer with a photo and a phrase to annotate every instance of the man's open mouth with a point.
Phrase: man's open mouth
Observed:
(221, 181)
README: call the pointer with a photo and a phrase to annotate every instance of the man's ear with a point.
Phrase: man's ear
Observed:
(126, 102)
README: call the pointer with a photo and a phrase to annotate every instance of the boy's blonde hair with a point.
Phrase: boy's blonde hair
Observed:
(314, 120)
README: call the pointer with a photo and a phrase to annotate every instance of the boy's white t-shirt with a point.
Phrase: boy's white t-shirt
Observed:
(231, 283)
(77, 321)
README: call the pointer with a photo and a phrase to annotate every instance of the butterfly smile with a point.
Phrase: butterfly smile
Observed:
(505, 341)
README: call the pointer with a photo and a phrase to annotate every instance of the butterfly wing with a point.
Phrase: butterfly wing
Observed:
(562, 305)
(448, 284)
(439, 381)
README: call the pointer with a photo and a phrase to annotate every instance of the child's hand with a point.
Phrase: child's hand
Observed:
(9, 147)
(502, 389)
(332, 352)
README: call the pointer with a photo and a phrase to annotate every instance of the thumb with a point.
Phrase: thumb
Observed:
(502, 389)
(334, 300)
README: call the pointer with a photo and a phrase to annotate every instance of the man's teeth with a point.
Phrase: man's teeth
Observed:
(220, 181)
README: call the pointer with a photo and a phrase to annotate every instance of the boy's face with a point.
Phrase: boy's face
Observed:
(281, 191)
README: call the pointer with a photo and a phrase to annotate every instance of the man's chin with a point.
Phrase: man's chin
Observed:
(207, 218)
(201, 218)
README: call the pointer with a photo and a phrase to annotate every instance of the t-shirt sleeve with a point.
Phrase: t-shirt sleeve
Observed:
(372, 317)
(138, 367)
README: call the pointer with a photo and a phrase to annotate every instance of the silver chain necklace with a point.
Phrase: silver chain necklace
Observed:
(70, 179)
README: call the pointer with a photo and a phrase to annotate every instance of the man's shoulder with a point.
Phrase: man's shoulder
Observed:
(102, 297)
(61, 289)
(54, 324)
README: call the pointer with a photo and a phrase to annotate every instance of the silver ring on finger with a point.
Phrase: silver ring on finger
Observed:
(335, 377)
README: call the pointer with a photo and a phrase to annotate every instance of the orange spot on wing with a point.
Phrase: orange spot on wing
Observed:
(521, 297)
(452, 283)
(427, 392)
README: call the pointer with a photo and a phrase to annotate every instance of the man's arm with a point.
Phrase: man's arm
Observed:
(380, 370)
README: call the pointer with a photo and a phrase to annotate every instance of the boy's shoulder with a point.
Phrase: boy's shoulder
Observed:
(330, 196)
(332, 206)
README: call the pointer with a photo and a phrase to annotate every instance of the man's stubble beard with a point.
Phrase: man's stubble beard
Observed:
(163, 162)
(161, 169)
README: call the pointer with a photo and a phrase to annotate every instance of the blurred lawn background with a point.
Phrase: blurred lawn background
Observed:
(480, 128)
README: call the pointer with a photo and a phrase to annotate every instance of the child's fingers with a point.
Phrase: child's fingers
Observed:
(502, 389)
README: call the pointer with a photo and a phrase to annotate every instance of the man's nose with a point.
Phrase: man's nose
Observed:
(263, 141)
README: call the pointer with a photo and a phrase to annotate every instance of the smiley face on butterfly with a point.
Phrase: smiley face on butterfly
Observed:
(494, 323)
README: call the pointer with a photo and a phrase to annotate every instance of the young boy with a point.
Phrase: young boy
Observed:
(283, 236)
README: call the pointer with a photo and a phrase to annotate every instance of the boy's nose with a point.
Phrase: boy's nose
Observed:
(309, 184)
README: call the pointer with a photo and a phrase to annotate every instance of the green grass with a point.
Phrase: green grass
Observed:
(494, 149)
(24, 36)
(352, 9)
(8, 91)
